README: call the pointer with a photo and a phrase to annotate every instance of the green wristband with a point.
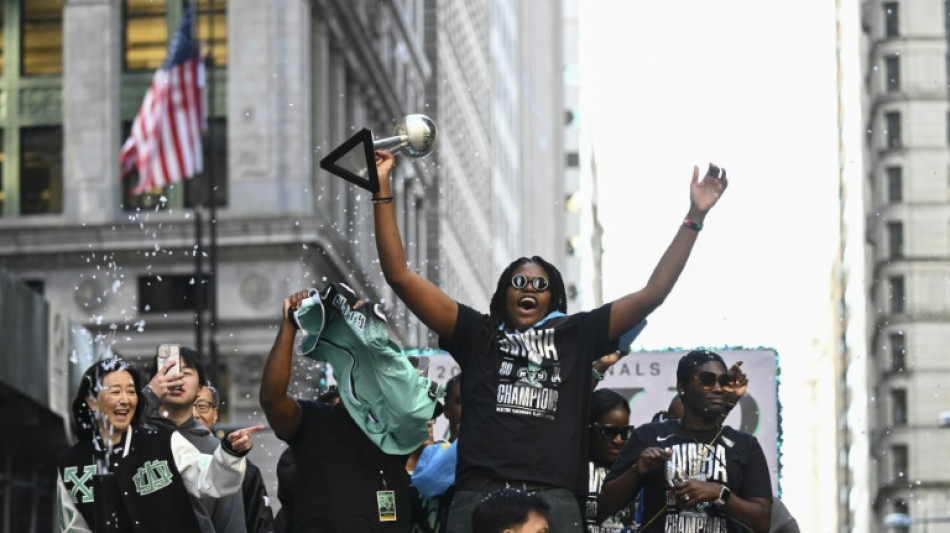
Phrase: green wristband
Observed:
(693, 224)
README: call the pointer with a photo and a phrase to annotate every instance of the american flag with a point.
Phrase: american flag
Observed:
(165, 142)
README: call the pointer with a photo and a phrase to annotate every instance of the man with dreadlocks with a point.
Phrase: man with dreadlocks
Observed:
(527, 364)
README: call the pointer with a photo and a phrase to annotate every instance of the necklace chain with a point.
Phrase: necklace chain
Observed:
(706, 448)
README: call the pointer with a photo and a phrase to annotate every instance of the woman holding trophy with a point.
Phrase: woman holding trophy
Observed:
(527, 363)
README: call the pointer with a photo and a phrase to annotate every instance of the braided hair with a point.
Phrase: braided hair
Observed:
(498, 309)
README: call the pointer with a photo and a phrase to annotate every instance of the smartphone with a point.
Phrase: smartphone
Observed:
(168, 353)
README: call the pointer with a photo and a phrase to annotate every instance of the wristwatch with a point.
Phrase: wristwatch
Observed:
(724, 494)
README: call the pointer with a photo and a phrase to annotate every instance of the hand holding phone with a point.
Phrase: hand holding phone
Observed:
(168, 353)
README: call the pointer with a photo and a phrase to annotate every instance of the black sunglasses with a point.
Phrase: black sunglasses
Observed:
(708, 380)
(612, 432)
(520, 281)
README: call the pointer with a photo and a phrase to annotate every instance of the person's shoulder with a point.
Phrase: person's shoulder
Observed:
(651, 430)
(469, 313)
(597, 313)
(745, 438)
(152, 432)
(314, 411)
(313, 405)
(69, 455)
(156, 421)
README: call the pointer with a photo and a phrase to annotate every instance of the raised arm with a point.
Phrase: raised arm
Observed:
(432, 306)
(282, 410)
(217, 475)
(629, 310)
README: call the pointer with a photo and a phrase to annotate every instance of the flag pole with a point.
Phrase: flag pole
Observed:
(213, 202)
(199, 286)
(198, 208)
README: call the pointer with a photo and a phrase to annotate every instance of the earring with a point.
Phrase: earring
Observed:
(682, 393)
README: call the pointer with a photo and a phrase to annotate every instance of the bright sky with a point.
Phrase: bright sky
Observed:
(749, 85)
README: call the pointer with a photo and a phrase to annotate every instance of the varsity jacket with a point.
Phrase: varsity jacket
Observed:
(153, 473)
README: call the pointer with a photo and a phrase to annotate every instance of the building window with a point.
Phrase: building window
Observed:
(213, 29)
(898, 352)
(215, 147)
(30, 124)
(899, 461)
(170, 292)
(36, 285)
(895, 239)
(896, 297)
(151, 199)
(3, 157)
(892, 71)
(899, 407)
(891, 20)
(892, 129)
(901, 507)
(42, 37)
(146, 34)
(195, 190)
(3, 31)
(41, 170)
(148, 25)
(895, 184)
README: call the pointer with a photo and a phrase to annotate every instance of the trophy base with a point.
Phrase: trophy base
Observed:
(354, 161)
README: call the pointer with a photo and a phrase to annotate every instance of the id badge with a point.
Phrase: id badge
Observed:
(386, 503)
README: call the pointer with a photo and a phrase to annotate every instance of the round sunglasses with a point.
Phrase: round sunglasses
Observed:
(520, 281)
(708, 380)
(610, 432)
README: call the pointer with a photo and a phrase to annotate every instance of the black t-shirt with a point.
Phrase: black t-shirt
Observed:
(734, 459)
(615, 523)
(526, 403)
(338, 475)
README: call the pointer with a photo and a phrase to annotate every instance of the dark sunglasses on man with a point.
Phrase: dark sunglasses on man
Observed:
(708, 380)
(611, 432)
(520, 281)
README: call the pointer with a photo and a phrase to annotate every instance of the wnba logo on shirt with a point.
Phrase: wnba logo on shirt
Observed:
(531, 344)
(151, 477)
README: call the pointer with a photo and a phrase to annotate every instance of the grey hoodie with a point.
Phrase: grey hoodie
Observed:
(216, 515)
